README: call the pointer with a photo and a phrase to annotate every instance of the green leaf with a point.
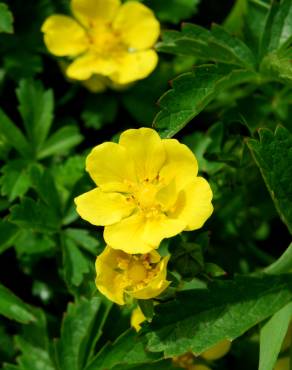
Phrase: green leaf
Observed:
(127, 350)
(6, 19)
(34, 216)
(75, 262)
(44, 184)
(15, 180)
(271, 337)
(192, 92)
(273, 156)
(80, 330)
(31, 243)
(33, 357)
(36, 108)
(254, 23)
(8, 233)
(283, 263)
(61, 141)
(13, 307)
(278, 28)
(216, 45)
(173, 10)
(198, 319)
(235, 19)
(13, 135)
(83, 238)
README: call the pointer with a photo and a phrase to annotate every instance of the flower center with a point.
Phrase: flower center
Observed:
(105, 41)
(137, 272)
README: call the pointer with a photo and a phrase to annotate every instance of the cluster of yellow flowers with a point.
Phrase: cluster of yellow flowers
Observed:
(147, 188)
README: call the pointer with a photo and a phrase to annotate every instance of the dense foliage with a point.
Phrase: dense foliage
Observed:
(224, 88)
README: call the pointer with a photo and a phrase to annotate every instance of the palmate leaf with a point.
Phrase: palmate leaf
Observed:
(36, 108)
(273, 155)
(15, 179)
(34, 215)
(193, 91)
(76, 264)
(215, 45)
(81, 328)
(198, 319)
(13, 307)
(8, 233)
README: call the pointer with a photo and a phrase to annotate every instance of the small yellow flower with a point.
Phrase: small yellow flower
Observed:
(283, 364)
(217, 351)
(107, 38)
(137, 318)
(139, 276)
(147, 190)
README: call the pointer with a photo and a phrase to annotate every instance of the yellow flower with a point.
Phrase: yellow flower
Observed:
(147, 190)
(137, 318)
(217, 351)
(283, 364)
(107, 38)
(139, 276)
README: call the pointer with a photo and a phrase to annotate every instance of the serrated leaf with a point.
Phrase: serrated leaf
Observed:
(34, 216)
(29, 242)
(271, 337)
(33, 357)
(15, 180)
(75, 262)
(173, 10)
(6, 19)
(215, 45)
(13, 135)
(84, 240)
(192, 92)
(8, 232)
(36, 108)
(61, 141)
(273, 155)
(83, 319)
(44, 184)
(13, 307)
(198, 319)
(127, 350)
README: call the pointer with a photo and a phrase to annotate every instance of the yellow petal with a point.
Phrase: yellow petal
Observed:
(194, 205)
(108, 281)
(134, 66)
(138, 234)
(145, 147)
(101, 208)
(137, 317)
(137, 25)
(91, 12)
(83, 67)
(218, 351)
(110, 167)
(180, 165)
(157, 285)
(63, 36)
